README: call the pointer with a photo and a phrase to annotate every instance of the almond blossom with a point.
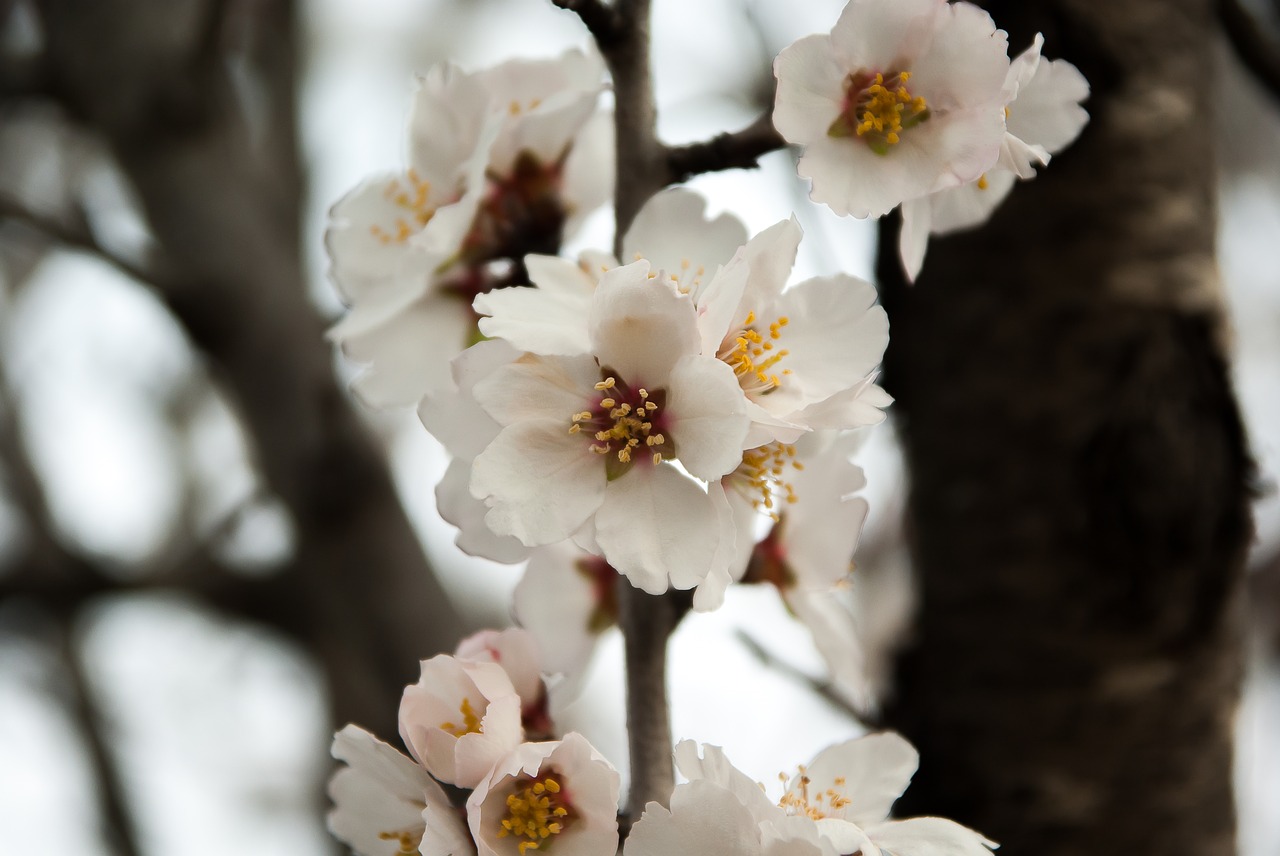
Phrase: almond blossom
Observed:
(588, 442)
(515, 650)
(386, 805)
(460, 718)
(837, 804)
(560, 797)
(901, 99)
(501, 163)
(1043, 116)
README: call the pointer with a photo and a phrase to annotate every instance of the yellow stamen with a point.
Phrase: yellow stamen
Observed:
(534, 814)
(411, 194)
(470, 721)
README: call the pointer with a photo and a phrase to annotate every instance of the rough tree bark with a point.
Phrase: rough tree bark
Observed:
(1080, 482)
(219, 183)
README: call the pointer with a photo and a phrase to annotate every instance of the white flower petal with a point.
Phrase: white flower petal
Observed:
(725, 567)
(704, 820)
(967, 61)
(971, 205)
(559, 603)
(1048, 112)
(707, 415)
(538, 320)
(673, 231)
(832, 625)
(810, 91)
(458, 507)
(639, 328)
(658, 528)
(540, 482)
(539, 387)
(913, 239)
(876, 769)
(930, 836)
(589, 171)
(872, 35)
(713, 766)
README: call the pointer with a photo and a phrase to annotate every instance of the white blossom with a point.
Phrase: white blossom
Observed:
(516, 650)
(588, 441)
(460, 718)
(386, 805)
(500, 162)
(900, 100)
(559, 797)
(1044, 116)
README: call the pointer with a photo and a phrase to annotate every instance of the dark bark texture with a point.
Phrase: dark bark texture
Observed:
(1079, 506)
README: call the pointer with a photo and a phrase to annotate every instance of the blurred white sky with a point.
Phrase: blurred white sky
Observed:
(199, 701)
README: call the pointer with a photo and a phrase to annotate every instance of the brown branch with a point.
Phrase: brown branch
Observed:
(823, 689)
(118, 826)
(603, 22)
(1257, 53)
(731, 150)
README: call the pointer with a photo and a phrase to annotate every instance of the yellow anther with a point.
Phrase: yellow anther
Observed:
(534, 814)
(470, 721)
(607, 402)
(607, 383)
(404, 841)
(982, 182)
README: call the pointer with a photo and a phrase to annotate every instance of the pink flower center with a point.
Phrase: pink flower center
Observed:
(624, 424)
(878, 109)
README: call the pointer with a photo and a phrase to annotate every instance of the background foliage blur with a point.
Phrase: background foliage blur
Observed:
(209, 556)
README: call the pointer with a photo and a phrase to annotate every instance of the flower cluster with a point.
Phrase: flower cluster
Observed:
(477, 721)
(915, 103)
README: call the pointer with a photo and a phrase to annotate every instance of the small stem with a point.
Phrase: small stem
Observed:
(647, 622)
(735, 150)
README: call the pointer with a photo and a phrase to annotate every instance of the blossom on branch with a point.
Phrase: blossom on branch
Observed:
(1043, 116)
(901, 99)
(837, 804)
(559, 797)
(502, 162)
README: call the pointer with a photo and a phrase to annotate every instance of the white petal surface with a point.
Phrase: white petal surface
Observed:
(873, 35)
(640, 328)
(658, 528)
(876, 770)
(537, 320)
(537, 387)
(540, 482)
(458, 507)
(557, 602)
(704, 820)
(713, 766)
(967, 61)
(707, 415)
(673, 229)
(810, 89)
(930, 836)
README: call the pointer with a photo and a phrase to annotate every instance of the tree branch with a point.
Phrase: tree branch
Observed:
(730, 150)
(1259, 54)
(602, 21)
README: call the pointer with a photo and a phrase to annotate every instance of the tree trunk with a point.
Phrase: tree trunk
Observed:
(1079, 506)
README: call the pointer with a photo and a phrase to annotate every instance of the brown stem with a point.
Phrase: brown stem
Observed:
(731, 150)
(1259, 54)
(601, 20)
(647, 622)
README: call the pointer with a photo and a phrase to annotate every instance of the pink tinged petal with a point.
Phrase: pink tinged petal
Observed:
(851, 179)
(968, 145)
(876, 35)
(531, 319)
(966, 64)
(516, 650)
(639, 328)
(409, 353)
(913, 238)
(713, 767)
(658, 528)
(458, 507)
(930, 836)
(810, 92)
(673, 227)
(710, 592)
(540, 482)
(1048, 112)
(557, 603)
(707, 416)
(500, 732)
(589, 171)
(537, 387)
(834, 338)
(971, 205)
(704, 820)
(835, 635)
(876, 769)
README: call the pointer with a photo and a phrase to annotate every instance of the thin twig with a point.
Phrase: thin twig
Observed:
(1259, 54)
(602, 21)
(118, 829)
(823, 689)
(731, 150)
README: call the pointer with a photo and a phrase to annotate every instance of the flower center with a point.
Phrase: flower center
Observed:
(410, 194)
(623, 422)
(405, 841)
(817, 806)
(470, 721)
(878, 110)
(536, 812)
(752, 356)
(762, 473)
